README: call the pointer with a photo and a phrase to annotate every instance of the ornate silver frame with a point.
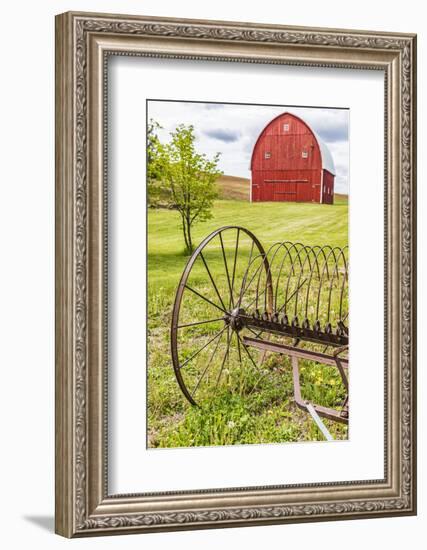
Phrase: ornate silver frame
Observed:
(83, 42)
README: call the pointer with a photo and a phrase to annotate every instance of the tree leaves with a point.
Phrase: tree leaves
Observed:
(181, 177)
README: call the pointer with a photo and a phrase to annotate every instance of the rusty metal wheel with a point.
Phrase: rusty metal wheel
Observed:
(226, 278)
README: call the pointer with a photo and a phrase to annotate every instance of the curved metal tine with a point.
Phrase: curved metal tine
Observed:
(204, 298)
(335, 272)
(344, 281)
(263, 258)
(291, 271)
(226, 354)
(205, 370)
(267, 274)
(256, 272)
(202, 348)
(296, 291)
(255, 299)
(278, 246)
(307, 250)
(212, 281)
(302, 250)
(231, 301)
(200, 323)
(307, 298)
(319, 248)
(282, 263)
(332, 252)
(344, 319)
(270, 272)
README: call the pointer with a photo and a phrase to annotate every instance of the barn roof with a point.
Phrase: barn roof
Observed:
(327, 160)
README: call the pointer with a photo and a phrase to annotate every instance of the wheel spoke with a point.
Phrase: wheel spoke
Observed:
(204, 359)
(255, 299)
(200, 322)
(292, 295)
(243, 289)
(204, 298)
(231, 304)
(212, 281)
(251, 281)
(257, 334)
(225, 358)
(239, 351)
(242, 377)
(262, 374)
(202, 348)
(235, 260)
(207, 367)
(249, 355)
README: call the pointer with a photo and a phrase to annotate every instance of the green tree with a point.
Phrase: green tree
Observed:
(185, 176)
(157, 193)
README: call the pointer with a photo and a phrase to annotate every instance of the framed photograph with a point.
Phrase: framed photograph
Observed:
(233, 202)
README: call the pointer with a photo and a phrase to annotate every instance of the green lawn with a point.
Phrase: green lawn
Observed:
(242, 409)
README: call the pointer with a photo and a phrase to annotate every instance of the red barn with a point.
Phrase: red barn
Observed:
(291, 163)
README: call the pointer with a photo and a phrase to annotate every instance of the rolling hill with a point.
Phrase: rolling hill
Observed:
(233, 188)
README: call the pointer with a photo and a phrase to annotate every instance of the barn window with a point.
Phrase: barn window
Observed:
(286, 127)
(267, 155)
(304, 154)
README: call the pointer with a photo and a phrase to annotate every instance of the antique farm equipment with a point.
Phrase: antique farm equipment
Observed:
(237, 305)
(291, 163)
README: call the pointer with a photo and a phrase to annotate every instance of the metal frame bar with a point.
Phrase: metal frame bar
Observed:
(296, 354)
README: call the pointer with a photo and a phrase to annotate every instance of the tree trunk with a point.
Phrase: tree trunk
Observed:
(188, 245)
(190, 242)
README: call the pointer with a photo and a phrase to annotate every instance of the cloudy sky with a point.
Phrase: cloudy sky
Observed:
(233, 130)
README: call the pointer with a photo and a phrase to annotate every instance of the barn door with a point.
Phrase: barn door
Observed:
(285, 192)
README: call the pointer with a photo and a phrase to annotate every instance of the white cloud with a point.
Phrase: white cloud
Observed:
(233, 129)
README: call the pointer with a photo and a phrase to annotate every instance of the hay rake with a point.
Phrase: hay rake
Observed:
(238, 305)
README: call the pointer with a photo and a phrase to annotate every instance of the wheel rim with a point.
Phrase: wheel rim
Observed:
(227, 274)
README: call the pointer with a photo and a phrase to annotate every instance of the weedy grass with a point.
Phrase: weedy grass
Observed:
(247, 405)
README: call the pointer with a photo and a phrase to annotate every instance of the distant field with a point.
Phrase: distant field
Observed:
(268, 415)
(340, 197)
(232, 187)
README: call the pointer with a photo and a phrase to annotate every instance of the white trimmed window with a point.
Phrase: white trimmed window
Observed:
(286, 127)
(304, 154)
(267, 155)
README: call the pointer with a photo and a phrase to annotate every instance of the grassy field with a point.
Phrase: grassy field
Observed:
(242, 409)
